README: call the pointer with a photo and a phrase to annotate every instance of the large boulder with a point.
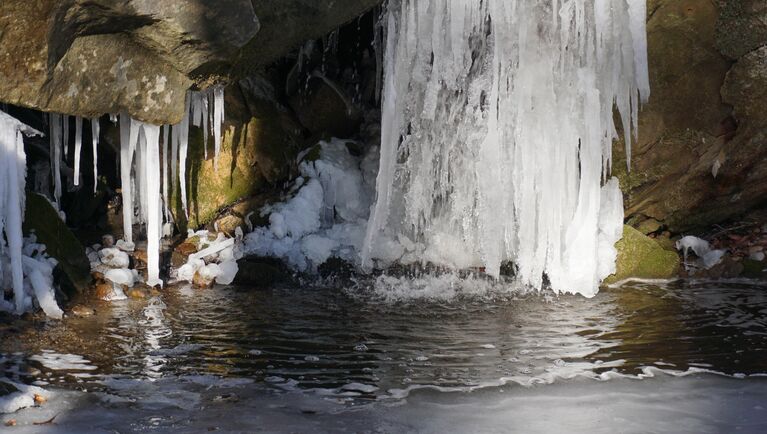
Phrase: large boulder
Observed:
(140, 56)
(73, 270)
(698, 159)
(639, 256)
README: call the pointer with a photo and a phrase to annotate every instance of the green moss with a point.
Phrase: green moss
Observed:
(642, 257)
(73, 270)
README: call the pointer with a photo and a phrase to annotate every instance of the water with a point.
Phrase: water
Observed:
(362, 358)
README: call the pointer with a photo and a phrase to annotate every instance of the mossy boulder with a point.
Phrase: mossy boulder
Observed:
(642, 257)
(260, 142)
(73, 270)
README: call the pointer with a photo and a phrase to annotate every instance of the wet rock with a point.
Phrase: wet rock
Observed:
(137, 293)
(641, 257)
(754, 269)
(181, 253)
(336, 268)
(727, 268)
(82, 311)
(102, 290)
(140, 259)
(202, 282)
(73, 270)
(261, 272)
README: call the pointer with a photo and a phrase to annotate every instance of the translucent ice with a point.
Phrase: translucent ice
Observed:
(497, 134)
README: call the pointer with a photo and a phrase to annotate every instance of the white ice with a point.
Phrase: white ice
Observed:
(497, 134)
(707, 257)
(24, 266)
(327, 213)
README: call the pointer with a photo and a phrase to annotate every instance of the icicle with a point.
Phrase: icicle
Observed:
(126, 164)
(151, 136)
(13, 171)
(495, 108)
(95, 140)
(55, 155)
(165, 198)
(65, 122)
(182, 143)
(140, 176)
(78, 146)
(218, 120)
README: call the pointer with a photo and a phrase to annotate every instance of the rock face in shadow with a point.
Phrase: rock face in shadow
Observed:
(699, 159)
(73, 270)
(140, 56)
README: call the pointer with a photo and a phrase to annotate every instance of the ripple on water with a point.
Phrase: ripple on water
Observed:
(367, 342)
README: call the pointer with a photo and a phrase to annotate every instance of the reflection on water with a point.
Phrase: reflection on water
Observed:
(352, 342)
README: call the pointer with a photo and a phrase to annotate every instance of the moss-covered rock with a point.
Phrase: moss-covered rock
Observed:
(73, 271)
(642, 257)
(260, 142)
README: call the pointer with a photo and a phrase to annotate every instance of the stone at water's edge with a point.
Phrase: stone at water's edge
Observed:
(642, 257)
(73, 270)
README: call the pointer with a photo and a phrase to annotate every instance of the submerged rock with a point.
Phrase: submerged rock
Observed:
(642, 257)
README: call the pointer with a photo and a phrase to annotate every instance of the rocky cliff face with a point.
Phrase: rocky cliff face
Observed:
(92, 57)
(701, 157)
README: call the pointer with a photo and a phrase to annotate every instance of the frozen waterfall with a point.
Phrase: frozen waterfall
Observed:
(497, 134)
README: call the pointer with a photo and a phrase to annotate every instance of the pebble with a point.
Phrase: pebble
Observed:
(82, 311)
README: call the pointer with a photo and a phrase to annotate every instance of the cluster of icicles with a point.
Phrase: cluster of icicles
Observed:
(152, 158)
(498, 130)
(24, 266)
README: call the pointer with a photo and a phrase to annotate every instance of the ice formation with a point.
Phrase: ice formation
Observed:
(497, 134)
(145, 180)
(215, 260)
(707, 257)
(326, 214)
(24, 266)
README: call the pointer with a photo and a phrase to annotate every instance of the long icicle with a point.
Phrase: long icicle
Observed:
(166, 205)
(151, 137)
(183, 142)
(78, 147)
(126, 163)
(95, 131)
(218, 119)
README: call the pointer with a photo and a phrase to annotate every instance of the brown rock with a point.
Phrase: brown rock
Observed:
(103, 290)
(201, 282)
(136, 294)
(140, 259)
(82, 311)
